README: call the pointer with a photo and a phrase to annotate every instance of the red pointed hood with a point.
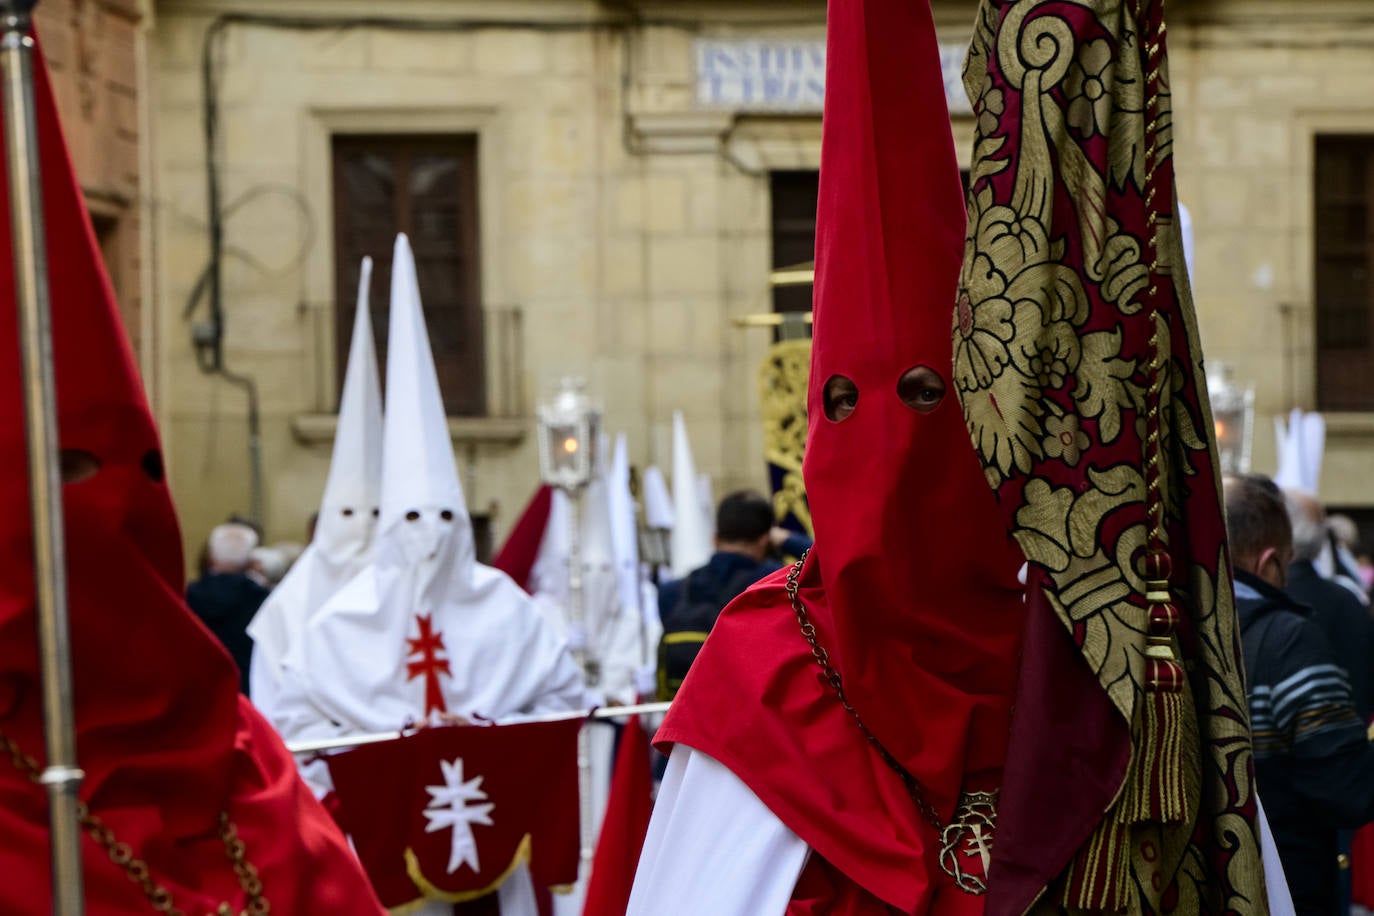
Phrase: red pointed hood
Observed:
(155, 695)
(913, 558)
(516, 557)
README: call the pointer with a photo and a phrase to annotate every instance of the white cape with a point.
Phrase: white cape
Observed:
(503, 659)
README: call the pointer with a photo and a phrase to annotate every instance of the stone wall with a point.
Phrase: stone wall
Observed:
(94, 50)
(631, 226)
(627, 244)
(1254, 82)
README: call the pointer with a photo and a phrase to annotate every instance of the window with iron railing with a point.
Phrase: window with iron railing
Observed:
(426, 187)
(1344, 262)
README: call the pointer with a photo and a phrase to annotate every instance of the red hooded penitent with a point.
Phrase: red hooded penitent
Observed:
(167, 744)
(912, 585)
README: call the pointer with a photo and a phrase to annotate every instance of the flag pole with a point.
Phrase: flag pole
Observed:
(61, 775)
(601, 713)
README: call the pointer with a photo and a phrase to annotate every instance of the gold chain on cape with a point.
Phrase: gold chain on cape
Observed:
(136, 870)
(974, 811)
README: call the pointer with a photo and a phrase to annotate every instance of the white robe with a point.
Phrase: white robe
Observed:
(713, 847)
(503, 658)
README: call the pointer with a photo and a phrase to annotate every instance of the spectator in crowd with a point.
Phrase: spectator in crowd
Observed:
(1314, 765)
(225, 597)
(1350, 560)
(1341, 616)
(746, 541)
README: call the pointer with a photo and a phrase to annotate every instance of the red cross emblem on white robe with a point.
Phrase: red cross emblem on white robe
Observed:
(432, 662)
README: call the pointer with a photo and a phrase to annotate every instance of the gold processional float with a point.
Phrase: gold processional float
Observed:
(783, 376)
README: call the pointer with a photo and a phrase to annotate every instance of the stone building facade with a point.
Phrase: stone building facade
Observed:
(96, 56)
(622, 178)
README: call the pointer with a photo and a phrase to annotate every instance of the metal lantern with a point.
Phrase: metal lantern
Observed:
(569, 432)
(1233, 415)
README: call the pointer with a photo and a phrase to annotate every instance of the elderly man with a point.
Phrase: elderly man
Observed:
(226, 598)
(1335, 609)
(1313, 763)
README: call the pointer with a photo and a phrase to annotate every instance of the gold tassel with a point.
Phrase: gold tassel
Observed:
(1155, 787)
(1097, 878)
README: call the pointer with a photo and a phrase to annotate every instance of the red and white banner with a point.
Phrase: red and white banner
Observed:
(449, 813)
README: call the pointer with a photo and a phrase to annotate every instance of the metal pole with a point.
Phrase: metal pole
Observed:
(600, 714)
(61, 776)
(577, 621)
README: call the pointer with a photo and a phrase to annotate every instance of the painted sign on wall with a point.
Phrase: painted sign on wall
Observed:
(778, 75)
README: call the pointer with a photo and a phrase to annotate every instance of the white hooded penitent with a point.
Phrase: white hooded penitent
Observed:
(347, 520)
(691, 541)
(635, 589)
(1301, 443)
(608, 631)
(426, 630)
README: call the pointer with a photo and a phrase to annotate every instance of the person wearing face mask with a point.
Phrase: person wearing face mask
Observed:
(425, 633)
(341, 541)
(1314, 764)
(190, 802)
(846, 705)
(902, 723)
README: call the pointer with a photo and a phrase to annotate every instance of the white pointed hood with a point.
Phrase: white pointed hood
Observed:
(352, 491)
(549, 574)
(347, 517)
(691, 539)
(624, 530)
(1301, 443)
(426, 630)
(658, 503)
(424, 531)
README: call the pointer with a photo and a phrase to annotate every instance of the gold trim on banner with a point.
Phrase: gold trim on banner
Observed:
(430, 892)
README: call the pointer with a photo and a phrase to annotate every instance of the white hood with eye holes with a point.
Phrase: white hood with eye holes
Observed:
(343, 534)
(425, 603)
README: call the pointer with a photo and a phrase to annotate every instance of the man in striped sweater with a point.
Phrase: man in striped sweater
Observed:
(1314, 765)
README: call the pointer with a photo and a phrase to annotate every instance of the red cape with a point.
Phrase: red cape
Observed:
(755, 702)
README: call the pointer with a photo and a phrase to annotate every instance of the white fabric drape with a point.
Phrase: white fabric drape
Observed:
(713, 847)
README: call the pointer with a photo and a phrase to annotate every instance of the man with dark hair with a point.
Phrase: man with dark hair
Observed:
(1314, 766)
(746, 538)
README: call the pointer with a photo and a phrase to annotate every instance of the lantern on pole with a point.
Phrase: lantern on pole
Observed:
(1233, 415)
(569, 437)
(569, 430)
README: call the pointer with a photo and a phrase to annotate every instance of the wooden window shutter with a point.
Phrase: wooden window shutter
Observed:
(426, 187)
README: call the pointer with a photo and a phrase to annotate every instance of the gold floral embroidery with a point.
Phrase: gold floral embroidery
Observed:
(1064, 439)
(1051, 367)
(1088, 87)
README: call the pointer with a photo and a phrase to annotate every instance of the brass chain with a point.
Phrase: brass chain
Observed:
(136, 870)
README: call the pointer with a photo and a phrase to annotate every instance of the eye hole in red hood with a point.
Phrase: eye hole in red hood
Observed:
(78, 465)
(921, 388)
(841, 398)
